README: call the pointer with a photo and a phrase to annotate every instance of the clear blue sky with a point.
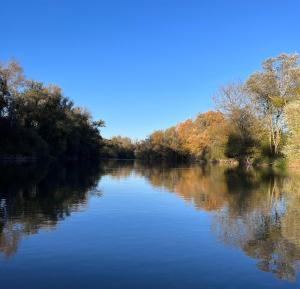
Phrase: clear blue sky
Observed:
(145, 65)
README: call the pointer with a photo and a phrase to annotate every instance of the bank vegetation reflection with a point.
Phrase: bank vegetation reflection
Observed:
(257, 211)
(34, 198)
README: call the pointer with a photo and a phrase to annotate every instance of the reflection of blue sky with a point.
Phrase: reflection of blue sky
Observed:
(135, 236)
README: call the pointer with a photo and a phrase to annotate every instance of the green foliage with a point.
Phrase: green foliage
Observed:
(21, 141)
(37, 120)
(255, 122)
(118, 148)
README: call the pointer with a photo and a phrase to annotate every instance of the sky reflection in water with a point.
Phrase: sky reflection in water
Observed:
(131, 225)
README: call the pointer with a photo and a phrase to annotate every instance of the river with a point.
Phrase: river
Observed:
(125, 224)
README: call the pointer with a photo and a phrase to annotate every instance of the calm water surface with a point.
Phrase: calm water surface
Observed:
(127, 225)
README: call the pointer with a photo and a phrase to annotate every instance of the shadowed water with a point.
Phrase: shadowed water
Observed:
(130, 225)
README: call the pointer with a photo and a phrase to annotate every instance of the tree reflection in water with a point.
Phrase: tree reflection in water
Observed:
(34, 198)
(257, 211)
(261, 216)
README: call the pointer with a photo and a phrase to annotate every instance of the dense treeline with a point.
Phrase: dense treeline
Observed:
(255, 121)
(204, 138)
(38, 121)
(118, 148)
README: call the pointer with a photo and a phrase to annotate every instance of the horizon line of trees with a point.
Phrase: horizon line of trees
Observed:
(256, 121)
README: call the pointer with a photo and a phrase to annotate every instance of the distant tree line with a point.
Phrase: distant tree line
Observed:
(118, 147)
(38, 121)
(255, 121)
(203, 138)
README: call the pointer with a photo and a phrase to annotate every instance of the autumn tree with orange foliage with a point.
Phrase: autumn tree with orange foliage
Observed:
(201, 139)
